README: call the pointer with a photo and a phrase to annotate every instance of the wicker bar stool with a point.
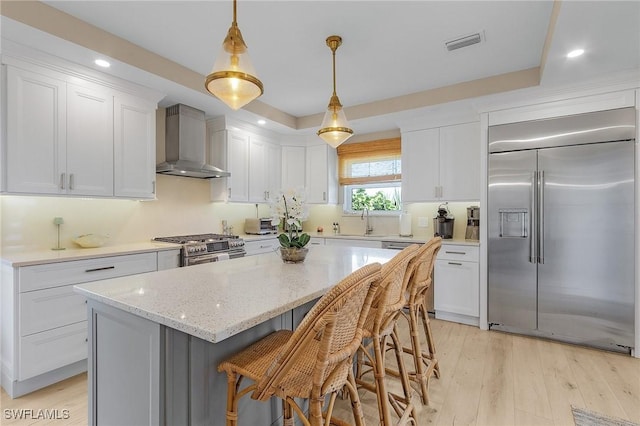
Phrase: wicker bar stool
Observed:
(381, 324)
(313, 361)
(420, 280)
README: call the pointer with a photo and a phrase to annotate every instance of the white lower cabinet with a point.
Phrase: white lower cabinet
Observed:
(267, 245)
(457, 284)
(47, 342)
(168, 259)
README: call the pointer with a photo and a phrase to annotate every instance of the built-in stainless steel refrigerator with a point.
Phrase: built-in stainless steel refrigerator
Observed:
(561, 228)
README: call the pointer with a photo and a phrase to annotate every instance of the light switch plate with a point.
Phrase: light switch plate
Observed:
(423, 222)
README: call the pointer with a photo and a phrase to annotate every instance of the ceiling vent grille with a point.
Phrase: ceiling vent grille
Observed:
(461, 42)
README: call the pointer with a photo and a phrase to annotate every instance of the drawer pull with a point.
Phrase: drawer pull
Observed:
(267, 246)
(455, 263)
(455, 252)
(100, 269)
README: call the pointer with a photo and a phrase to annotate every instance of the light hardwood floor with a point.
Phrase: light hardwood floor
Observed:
(488, 378)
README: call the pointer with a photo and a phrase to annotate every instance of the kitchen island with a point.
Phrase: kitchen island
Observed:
(156, 339)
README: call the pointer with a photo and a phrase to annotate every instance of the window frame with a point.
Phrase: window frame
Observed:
(346, 204)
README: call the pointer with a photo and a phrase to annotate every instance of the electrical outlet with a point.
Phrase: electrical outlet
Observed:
(423, 222)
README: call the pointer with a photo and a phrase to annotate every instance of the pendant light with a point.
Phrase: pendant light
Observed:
(233, 79)
(335, 128)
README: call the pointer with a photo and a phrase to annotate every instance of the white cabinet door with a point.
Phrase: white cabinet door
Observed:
(460, 162)
(420, 165)
(230, 151)
(89, 141)
(257, 170)
(321, 171)
(168, 259)
(274, 169)
(134, 146)
(456, 287)
(293, 167)
(35, 154)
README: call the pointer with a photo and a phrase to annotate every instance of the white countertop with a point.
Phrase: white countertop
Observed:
(38, 257)
(214, 301)
(375, 237)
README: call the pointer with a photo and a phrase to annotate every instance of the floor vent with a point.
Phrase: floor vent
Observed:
(461, 42)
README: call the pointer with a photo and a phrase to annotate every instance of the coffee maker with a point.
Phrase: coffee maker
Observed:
(443, 223)
(473, 223)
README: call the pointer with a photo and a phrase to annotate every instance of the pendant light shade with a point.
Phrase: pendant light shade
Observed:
(233, 79)
(334, 129)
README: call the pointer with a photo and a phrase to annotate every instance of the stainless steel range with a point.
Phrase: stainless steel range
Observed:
(206, 248)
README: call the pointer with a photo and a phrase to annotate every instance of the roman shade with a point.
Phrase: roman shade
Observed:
(369, 162)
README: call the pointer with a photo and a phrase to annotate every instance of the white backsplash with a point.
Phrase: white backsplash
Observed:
(182, 207)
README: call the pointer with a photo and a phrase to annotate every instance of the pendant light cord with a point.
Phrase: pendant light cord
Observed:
(333, 52)
(234, 12)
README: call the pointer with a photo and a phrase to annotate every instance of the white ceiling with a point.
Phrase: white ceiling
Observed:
(390, 48)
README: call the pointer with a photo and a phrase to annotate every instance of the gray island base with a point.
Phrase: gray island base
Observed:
(156, 339)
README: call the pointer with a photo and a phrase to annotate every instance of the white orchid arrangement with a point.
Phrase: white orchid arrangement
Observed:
(290, 208)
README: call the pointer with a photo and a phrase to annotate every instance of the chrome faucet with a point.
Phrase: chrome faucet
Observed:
(368, 228)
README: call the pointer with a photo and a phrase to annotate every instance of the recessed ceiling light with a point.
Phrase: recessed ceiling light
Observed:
(262, 121)
(575, 53)
(102, 63)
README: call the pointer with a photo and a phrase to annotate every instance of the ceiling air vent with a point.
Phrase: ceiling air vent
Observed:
(461, 42)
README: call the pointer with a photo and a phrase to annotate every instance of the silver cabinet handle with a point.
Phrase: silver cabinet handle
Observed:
(455, 263)
(267, 246)
(229, 190)
(541, 218)
(456, 252)
(324, 196)
(71, 180)
(153, 187)
(394, 247)
(62, 180)
(100, 269)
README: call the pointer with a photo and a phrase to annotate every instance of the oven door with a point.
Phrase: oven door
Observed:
(197, 260)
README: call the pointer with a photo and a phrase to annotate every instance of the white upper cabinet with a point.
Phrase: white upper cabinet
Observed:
(89, 141)
(460, 162)
(441, 164)
(264, 169)
(134, 147)
(230, 151)
(420, 165)
(69, 136)
(293, 167)
(35, 154)
(252, 160)
(321, 173)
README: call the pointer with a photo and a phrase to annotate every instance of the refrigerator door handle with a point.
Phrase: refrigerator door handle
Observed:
(533, 218)
(541, 216)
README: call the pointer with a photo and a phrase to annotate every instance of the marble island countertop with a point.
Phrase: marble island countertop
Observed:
(214, 301)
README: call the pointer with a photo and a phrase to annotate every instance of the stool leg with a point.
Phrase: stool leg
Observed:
(232, 411)
(414, 312)
(404, 375)
(356, 406)
(379, 373)
(430, 341)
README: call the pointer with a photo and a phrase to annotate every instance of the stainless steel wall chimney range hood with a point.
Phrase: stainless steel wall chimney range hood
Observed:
(185, 145)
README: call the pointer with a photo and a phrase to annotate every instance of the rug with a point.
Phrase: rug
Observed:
(583, 417)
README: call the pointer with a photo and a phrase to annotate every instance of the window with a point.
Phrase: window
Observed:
(371, 173)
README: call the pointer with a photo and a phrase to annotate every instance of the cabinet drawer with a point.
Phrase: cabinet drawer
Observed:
(459, 252)
(80, 271)
(261, 246)
(46, 351)
(50, 308)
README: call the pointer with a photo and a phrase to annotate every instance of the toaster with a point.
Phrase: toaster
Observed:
(259, 226)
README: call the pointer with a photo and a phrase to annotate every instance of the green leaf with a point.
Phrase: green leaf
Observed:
(284, 240)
